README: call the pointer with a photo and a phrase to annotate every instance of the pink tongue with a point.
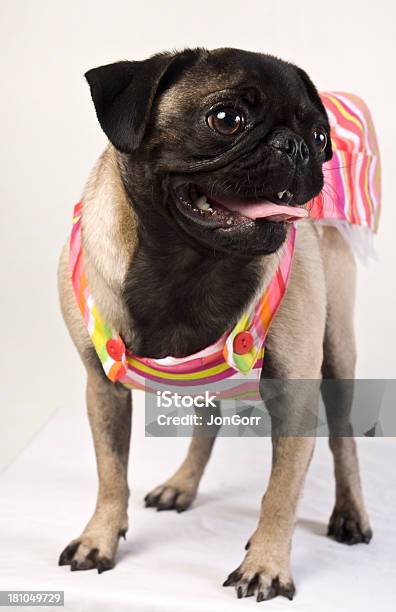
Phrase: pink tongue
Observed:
(265, 209)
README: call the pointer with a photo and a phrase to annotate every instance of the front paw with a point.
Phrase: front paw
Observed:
(263, 577)
(81, 555)
(92, 551)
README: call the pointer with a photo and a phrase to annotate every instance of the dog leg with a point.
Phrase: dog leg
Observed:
(265, 570)
(180, 490)
(109, 410)
(349, 521)
(290, 388)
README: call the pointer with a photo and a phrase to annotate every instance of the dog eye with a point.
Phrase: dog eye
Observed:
(320, 138)
(226, 121)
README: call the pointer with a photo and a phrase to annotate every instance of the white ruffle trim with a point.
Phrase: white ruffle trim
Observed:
(360, 239)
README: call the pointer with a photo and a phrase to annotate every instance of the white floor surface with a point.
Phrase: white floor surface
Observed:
(173, 562)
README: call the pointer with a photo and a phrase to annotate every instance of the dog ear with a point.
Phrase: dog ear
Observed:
(316, 101)
(123, 94)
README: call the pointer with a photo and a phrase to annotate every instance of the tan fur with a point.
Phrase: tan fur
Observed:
(308, 320)
(109, 234)
(109, 411)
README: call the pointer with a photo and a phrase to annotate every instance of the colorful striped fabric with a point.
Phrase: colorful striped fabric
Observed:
(352, 178)
(205, 368)
(98, 329)
(351, 194)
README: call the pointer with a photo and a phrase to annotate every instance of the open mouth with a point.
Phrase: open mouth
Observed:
(227, 211)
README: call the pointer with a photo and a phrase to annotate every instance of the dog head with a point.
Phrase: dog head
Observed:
(223, 147)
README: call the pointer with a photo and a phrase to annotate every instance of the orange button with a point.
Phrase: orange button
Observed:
(243, 342)
(115, 348)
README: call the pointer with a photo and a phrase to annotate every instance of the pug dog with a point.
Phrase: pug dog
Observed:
(213, 127)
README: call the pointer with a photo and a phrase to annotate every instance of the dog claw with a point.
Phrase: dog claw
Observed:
(288, 592)
(67, 554)
(122, 533)
(232, 578)
(104, 565)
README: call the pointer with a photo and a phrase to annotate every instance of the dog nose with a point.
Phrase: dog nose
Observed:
(291, 144)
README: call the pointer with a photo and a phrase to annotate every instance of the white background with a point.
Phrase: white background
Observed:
(50, 139)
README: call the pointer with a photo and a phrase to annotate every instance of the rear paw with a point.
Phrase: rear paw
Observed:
(167, 497)
(85, 554)
(346, 527)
